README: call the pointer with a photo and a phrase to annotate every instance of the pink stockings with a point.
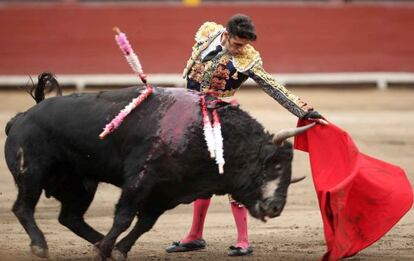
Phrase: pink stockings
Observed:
(240, 217)
(199, 215)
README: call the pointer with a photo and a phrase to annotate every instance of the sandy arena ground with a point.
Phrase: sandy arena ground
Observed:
(381, 123)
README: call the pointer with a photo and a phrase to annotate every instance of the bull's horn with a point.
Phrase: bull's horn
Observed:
(296, 180)
(284, 134)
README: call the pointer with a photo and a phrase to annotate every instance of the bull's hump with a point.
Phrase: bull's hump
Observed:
(179, 119)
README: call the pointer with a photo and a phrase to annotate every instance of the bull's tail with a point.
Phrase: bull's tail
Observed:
(46, 83)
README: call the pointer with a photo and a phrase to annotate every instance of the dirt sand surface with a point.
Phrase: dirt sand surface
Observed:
(381, 123)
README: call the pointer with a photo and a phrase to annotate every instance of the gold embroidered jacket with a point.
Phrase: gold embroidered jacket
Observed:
(224, 74)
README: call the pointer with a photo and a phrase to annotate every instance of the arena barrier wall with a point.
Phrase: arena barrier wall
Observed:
(306, 43)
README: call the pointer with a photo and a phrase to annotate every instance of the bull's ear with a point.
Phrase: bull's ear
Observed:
(285, 152)
(269, 158)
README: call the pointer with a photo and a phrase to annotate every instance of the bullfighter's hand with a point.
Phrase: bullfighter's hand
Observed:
(315, 116)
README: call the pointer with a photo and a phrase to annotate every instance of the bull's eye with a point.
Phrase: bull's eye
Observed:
(278, 167)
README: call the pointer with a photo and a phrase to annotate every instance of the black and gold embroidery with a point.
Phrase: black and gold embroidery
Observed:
(247, 59)
(197, 72)
(220, 74)
(220, 77)
(204, 36)
(223, 75)
(278, 92)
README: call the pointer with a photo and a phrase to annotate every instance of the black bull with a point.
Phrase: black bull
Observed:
(158, 157)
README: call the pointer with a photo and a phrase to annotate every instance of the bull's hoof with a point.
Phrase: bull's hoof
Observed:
(39, 251)
(97, 255)
(117, 255)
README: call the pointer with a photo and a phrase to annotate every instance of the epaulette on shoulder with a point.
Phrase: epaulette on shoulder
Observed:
(247, 59)
(207, 30)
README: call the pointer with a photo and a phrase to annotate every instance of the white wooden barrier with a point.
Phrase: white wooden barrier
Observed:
(82, 81)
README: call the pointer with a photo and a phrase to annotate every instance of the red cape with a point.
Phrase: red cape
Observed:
(360, 198)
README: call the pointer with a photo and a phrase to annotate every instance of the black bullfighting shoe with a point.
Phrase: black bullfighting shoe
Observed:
(184, 247)
(238, 251)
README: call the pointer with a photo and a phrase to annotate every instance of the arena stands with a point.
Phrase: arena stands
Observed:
(301, 42)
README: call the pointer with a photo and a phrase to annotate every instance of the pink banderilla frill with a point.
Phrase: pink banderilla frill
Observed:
(135, 64)
(114, 124)
(129, 53)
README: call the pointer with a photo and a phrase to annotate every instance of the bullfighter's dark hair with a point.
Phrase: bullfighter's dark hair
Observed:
(241, 25)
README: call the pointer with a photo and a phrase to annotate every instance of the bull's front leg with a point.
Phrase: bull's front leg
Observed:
(124, 214)
(133, 192)
(146, 220)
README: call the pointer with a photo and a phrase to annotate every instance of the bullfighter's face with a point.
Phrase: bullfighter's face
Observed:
(234, 44)
(277, 172)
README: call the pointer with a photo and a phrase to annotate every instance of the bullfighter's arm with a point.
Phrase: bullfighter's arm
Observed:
(250, 63)
(278, 92)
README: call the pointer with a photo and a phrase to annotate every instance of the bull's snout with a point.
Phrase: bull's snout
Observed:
(268, 208)
(274, 209)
